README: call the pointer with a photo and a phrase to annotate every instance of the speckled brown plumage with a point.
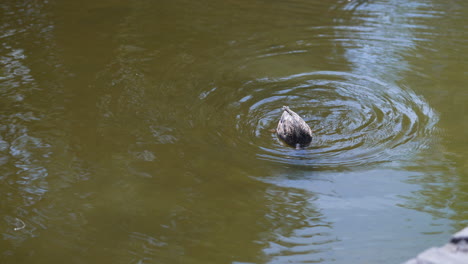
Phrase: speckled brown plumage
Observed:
(293, 130)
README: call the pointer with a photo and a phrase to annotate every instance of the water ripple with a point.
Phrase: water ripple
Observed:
(356, 119)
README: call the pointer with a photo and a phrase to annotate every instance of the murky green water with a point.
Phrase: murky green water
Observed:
(139, 131)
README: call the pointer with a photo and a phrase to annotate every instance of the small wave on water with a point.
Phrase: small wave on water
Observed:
(356, 120)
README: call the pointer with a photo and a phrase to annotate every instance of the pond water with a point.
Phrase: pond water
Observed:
(140, 131)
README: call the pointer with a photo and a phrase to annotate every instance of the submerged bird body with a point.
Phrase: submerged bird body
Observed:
(293, 130)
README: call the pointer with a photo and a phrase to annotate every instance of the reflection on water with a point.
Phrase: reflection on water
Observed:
(139, 132)
(302, 233)
(23, 152)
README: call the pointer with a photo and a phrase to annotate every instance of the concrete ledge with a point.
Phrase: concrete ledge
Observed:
(455, 252)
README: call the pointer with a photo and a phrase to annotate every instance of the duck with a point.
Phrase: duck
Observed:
(293, 130)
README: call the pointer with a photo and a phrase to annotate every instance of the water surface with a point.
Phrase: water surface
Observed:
(140, 131)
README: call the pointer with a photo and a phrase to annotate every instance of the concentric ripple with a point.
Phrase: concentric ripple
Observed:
(356, 120)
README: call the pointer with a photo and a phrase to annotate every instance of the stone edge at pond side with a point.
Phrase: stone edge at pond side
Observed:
(454, 252)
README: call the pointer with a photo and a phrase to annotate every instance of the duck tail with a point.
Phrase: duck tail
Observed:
(286, 108)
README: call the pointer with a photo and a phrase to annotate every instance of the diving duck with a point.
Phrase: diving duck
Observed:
(293, 130)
